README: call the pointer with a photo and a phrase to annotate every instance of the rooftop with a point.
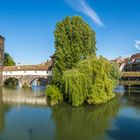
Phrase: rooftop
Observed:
(27, 68)
(135, 56)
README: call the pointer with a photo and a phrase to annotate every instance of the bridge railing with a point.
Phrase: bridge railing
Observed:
(130, 74)
(130, 83)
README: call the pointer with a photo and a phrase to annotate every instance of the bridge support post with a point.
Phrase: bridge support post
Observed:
(129, 89)
(36, 82)
(19, 84)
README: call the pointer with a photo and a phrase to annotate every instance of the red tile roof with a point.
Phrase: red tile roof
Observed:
(135, 56)
(27, 68)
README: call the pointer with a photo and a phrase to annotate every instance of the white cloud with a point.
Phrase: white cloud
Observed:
(82, 6)
(137, 44)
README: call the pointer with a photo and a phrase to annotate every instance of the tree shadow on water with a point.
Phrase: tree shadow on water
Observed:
(126, 129)
(85, 122)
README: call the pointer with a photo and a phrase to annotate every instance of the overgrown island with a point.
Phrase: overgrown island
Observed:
(79, 75)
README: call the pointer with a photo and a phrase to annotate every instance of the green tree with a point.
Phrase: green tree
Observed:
(78, 75)
(115, 72)
(91, 81)
(74, 41)
(8, 60)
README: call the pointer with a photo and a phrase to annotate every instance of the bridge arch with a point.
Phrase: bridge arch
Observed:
(12, 81)
(39, 81)
(27, 80)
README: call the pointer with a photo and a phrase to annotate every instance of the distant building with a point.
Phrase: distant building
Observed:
(120, 62)
(131, 63)
(1, 57)
(1, 50)
(135, 56)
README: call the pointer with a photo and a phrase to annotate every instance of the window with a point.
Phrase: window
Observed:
(138, 60)
(129, 62)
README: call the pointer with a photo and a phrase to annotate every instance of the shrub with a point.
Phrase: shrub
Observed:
(54, 94)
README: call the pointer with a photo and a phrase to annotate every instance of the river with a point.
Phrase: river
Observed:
(119, 119)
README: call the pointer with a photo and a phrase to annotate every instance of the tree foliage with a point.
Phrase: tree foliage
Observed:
(115, 72)
(76, 86)
(8, 60)
(91, 81)
(54, 94)
(78, 73)
(74, 40)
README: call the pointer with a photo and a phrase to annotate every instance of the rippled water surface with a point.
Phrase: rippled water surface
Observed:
(117, 120)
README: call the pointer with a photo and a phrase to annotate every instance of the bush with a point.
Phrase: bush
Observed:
(54, 94)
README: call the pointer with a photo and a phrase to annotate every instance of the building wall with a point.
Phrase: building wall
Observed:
(1, 57)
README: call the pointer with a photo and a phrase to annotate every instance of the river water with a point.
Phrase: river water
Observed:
(119, 119)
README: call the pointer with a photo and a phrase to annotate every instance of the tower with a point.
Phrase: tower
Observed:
(1, 57)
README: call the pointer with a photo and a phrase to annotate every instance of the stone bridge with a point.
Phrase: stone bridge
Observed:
(26, 75)
(23, 75)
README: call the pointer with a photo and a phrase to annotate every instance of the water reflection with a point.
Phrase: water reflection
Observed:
(119, 119)
(127, 129)
(85, 122)
(26, 122)
(127, 123)
(3, 109)
(23, 96)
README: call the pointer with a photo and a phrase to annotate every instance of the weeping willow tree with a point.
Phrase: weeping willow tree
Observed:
(76, 86)
(91, 81)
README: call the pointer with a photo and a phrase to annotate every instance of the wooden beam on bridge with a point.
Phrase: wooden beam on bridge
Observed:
(130, 74)
(129, 83)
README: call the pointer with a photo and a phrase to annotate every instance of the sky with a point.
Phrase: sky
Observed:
(28, 26)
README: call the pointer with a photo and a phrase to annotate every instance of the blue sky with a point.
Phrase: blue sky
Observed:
(28, 26)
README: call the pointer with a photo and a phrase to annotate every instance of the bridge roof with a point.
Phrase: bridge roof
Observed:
(27, 68)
